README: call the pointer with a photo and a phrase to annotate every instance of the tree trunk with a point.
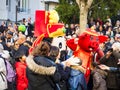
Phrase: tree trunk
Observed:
(83, 18)
(84, 6)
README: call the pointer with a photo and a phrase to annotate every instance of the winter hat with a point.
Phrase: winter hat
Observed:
(117, 35)
(116, 46)
(4, 53)
(19, 53)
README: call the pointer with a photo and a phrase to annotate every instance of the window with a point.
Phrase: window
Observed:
(7, 1)
(23, 5)
(8, 4)
(47, 6)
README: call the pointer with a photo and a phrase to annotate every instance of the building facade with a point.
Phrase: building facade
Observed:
(16, 10)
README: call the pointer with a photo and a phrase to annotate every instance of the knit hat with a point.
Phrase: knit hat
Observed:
(4, 53)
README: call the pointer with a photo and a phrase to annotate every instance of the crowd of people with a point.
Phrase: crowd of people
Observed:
(48, 68)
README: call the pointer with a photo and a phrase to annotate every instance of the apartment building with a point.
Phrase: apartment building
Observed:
(15, 10)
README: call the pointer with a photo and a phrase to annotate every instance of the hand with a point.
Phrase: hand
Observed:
(73, 61)
(76, 40)
(118, 61)
(103, 67)
(8, 44)
(108, 54)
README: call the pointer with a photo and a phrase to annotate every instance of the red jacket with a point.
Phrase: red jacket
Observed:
(22, 82)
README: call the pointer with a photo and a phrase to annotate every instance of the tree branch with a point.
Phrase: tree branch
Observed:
(78, 2)
(96, 4)
(89, 2)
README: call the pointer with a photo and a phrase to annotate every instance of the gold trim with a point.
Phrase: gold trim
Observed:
(91, 33)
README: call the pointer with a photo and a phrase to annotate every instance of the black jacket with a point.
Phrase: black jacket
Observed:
(111, 62)
(42, 73)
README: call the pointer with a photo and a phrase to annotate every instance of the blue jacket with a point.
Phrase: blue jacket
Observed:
(77, 80)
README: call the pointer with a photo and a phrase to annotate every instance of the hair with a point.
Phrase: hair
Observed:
(18, 55)
(54, 52)
(110, 49)
(94, 64)
(42, 49)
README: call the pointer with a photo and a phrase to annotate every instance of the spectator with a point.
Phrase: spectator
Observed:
(68, 31)
(24, 21)
(13, 51)
(64, 71)
(107, 45)
(101, 30)
(110, 31)
(20, 66)
(117, 38)
(99, 77)
(2, 27)
(109, 19)
(77, 79)
(41, 72)
(3, 72)
(111, 59)
(22, 41)
(110, 69)
(29, 28)
(9, 39)
(116, 28)
(91, 22)
(114, 70)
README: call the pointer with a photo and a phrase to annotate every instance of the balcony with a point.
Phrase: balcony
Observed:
(23, 10)
(54, 1)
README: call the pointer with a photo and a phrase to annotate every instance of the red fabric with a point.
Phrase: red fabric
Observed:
(70, 43)
(36, 42)
(102, 38)
(86, 60)
(99, 54)
(42, 25)
(22, 82)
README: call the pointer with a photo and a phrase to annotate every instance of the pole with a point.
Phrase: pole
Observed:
(16, 14)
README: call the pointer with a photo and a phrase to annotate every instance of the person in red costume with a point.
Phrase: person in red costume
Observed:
(85, 46)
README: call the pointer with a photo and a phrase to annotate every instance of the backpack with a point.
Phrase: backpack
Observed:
(11, 74)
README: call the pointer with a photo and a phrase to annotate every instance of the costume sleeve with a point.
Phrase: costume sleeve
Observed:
(70, 43)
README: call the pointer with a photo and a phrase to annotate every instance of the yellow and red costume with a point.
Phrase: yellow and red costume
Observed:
(47, 23)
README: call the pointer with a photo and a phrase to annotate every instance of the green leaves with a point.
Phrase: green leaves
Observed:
(68, 10)
(102, 8)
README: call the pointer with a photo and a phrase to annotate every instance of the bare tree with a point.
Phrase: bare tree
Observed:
(84, 6)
